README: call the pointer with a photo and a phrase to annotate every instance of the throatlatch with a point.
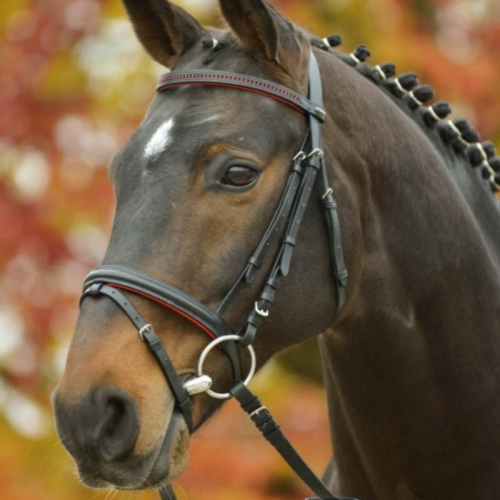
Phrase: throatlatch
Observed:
(308, 163)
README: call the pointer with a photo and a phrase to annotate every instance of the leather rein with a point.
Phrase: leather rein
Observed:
(111, 281)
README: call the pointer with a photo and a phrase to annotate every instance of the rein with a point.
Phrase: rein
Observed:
(307, 164)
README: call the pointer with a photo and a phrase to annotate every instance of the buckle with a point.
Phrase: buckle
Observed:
(328, 192)
(260, 311)
(300, 156)
(257, 412)
(144, 329)
(316, 152)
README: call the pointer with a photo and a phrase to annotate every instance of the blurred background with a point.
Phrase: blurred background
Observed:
(74, 84)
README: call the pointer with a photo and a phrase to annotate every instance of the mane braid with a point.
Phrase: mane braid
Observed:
(458, 134)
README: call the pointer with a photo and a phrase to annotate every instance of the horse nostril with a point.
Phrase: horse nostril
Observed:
(103, 426)
(119, 425)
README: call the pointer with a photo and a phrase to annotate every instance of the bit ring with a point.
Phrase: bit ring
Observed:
(209, 347)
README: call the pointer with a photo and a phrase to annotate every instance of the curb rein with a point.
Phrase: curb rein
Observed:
(109, 280)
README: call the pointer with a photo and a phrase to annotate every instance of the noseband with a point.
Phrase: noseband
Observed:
(111, 281)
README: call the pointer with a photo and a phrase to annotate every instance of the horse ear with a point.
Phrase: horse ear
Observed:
(265, 32)
(165, 30)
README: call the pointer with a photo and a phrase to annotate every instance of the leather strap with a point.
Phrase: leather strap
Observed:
(205, 319)
(167, 493)
(312, 163)
(271, 431)
(299, 210)
(245, 82)
(273, 230)
(340, 274)
(339, 270)
(141, 284)
(154, 344)
(181, 396)
(279, 219)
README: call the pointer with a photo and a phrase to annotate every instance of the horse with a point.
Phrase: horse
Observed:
(263, 128)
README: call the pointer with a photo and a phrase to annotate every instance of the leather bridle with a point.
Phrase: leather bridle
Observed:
(307, 164)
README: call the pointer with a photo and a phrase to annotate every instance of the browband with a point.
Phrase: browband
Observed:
(249, 83)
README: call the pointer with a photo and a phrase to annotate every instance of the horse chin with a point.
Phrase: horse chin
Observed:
(173, 456)
(157, 468)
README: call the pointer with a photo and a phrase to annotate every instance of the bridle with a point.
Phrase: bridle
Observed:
(307, 164)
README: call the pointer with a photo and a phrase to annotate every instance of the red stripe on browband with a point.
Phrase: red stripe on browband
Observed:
(201, 326)
(240, 81)
(238, 87)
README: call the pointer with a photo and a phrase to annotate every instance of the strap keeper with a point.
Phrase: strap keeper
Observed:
(274, 428)
(315, 160)
(328, 201)
(341, 277)
(268, 295)
(155, 344)
(298, 167)
(289, 240)
(94, 289)
(273, 283)
(254, 319)
(254, 261)
(248, 401)
(185, 404)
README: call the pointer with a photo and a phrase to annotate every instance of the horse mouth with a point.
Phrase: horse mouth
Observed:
(157, 468)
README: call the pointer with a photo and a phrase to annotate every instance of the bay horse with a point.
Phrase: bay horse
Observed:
(236, 152)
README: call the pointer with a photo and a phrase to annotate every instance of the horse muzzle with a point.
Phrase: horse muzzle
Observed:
(100, 431)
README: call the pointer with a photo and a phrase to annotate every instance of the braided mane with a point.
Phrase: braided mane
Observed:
(455, 139)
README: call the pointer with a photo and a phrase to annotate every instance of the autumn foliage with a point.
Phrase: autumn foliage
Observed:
(74, 84)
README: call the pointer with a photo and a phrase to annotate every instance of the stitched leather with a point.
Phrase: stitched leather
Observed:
(277, 223)
(271, 431)
(137, 282)
(339, 271)
(153, 342)
(297, 216)
(235, 80)
(181, 396)
(274, 228)
(119, 275)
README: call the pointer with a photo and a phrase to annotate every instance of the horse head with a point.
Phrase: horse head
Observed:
(196, 187)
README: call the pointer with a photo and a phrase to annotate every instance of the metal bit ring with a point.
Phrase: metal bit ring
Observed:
(209, 347)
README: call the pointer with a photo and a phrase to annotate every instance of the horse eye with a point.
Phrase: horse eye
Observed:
(239, 176)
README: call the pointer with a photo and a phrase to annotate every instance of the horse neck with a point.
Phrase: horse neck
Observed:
(412, 369)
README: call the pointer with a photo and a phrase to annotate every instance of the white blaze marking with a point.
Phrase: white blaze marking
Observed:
(160, 139)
